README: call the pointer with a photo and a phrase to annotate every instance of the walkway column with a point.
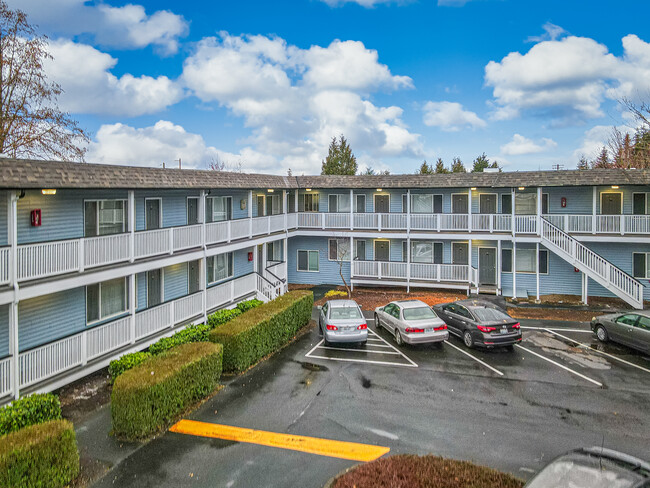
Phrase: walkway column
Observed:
(594, 202)
(469, 210)
(201, 218)
(408, 211)
(499, 267)
(514, 269)
(469, 265)
(408, 264)
(512, 211)
(285, 249)
(12, 238)
(351, 260)
(203, 280)
(250, 213)
(131, 225)
(285, 208)
(539, 211)
(133, 305)
(351, 210)
(537, 268)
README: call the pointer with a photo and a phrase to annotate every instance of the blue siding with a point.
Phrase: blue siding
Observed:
(620, 255)
(4, 330)
(578, 200)
(241, 264)
(174, 206)
(3, 218)
(175, 281)
(51, 317)
(328, 270)
(141, 290)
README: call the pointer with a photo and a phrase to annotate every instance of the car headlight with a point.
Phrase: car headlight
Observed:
(593, 319)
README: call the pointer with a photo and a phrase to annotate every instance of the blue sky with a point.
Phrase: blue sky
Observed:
(265, 85)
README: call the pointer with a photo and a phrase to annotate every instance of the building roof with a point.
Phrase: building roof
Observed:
(29, 174)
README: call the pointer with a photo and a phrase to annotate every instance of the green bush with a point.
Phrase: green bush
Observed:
(126, 362)
(146, 398)
(29, 410)
(43, 455)
(222, 316)
(248, 305)
(192, 333)
(263, 330)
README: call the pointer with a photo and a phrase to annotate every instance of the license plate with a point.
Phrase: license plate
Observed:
(504, 331)
(428, 330)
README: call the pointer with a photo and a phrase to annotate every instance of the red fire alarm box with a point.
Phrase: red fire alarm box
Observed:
(36, 217)
(563, 202)
(250, 256)
(576, 270)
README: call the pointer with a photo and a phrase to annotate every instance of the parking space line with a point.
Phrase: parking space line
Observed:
(313, 445)
(586, 346)
(560, 365)
(357, 350)
(562, 329)
(370, 331)
(369, 361)
(314, 348)
(475, 358)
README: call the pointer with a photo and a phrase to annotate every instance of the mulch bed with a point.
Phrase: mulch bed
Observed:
(410, 471)
(553, 314)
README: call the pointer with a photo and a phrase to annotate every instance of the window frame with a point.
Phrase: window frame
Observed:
(433, 251)
(273, 245)
(356, 249)
(312, 197)
(356, 203)
(99, 302)
(337, 196)
(519, 251)
(229, 209)
(329, 248)
(232, 268)
(125, 211)
(298, 251)
(646, 257)
(645, 197)
(506, 249)
(405, 204)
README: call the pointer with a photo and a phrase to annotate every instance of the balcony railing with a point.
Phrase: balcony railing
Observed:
(418, 271)
(44, 362)
(601, 224)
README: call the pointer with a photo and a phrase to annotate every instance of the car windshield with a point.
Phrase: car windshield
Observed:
(419, 313)
(342, 313)
(585, 473)
(489, 315)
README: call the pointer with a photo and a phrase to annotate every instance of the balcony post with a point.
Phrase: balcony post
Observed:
(285, 208)
(201, 219)
(469, 210)
(351, 215)
(203, 279)
(499, 267)
(132, 306)
(171, 240)
(12, 237)
(408, 212)
(537, 269)
(250, 214)
(285, 249)
(622, 226)
(408, 259)
(594, 201)
(514, 269)
(539, 212)
(351, 259)
(131, 225)
(81, 254)
(512, 210)
(469, 261)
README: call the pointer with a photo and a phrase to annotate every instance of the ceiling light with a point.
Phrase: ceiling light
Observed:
(308, 189)
(473, 188)
(378, 189)
(615, 187)
(270, 190)
(50, 191)
(522, 188)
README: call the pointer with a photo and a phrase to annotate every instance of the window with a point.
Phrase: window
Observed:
(220, 267)
(463, 312)
(404, 251)
(345, 313)
(426, 252)
(106, 299)
(544, 203)
(273, 204)
(639, 206)
(339, 203)
(274, 251)
(310, 202)
(339, 249)
(526, 203)
(419, 313)
(506, 203)
(104, 217)
(218, 209)
(641, 265)
(629, 319)
(506, 260)
(643, 323)
(360, 250)
(360, 203)
(308, 261)
(526, 261)
(404, 203)
(422, 203)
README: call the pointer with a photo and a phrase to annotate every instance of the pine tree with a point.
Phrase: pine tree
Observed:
(602, 161)
(340, 160)
(425, 169)
(481, 163)
(457, 166)
(440, 167)
(583, 163)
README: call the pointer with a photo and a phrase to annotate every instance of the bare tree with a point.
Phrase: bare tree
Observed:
(31, 123)
(342, 255)
(217, 163)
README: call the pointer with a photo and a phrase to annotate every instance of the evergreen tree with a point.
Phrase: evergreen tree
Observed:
(340, 160)
(481, 163)
(440, 167)
(425, 169)
(602, 161)
(457, 166)
(583, 163)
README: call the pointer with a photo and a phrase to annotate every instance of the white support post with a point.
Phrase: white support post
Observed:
(594, 202)
(12, 237)
(133, 305)
(499, 267)
(295, 201)
(351, 260)
(512, 211)
(514, 269)
(537, 269)
(285, 208)
(469, 262)
(81, 254)
(285, 254)
(539, 212)
(201, 219)
(585, 288)
(250, 213)
(408, 212)
(351, 210)
(171, 240)
(469, 210)
(131, 225)
(203, 280)
(13, 349)
(408, 263)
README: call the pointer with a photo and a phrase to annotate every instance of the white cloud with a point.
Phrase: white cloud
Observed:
(567, 79)
(127, 27)
(452, 3)
(363, 3)
(520, 145)
(295, 100)
(89, 87)
(450, 116)
(551, 33)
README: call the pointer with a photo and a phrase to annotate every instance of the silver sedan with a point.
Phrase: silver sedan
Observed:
(411, 322)
(631, 329)
(342, 321)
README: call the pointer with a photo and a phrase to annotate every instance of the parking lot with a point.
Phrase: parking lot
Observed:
(511, 410)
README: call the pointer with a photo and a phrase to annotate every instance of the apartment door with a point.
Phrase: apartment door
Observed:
(459, 203)
(487, 266)
(192, 211)
(487, 203)
(193, 280)
(152, 213)
(154, 287)
(382, 250)
(459, 252)
(506, 203)
(639, 204)
(610, 203)
(382, 203)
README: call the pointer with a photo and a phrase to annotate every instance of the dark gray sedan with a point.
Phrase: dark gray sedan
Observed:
(479, 323)
(631, 329)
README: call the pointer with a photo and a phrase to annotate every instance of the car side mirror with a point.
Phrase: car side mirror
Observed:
(319, 307)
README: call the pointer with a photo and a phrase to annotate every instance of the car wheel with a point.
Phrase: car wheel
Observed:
(510, 347)
(602, 334)
(398, 338)
(467, 339)
(377, 323)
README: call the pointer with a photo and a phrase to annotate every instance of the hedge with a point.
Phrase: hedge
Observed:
(146, 398)
(222, 316)
(263, 330)
(43, 455)
(126, 362)
(248, 305)
(29, 410)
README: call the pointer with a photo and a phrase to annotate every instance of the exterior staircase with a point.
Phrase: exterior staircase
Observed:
(592, 264)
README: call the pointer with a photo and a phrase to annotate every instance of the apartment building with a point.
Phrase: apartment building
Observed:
(99, 260)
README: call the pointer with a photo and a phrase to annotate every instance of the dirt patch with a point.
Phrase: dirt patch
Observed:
(90, 470)
(601, 303)
(409, 471)
(371, 298)
(84, 396)
(552, 314)
(297, 286)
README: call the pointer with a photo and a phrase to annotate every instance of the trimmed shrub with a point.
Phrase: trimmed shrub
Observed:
(146, 398)
(336, 293)
(29, 410)
(222, 316)
(192, 333)
(263, 330)
(248, 305)
(126, 362)
(43, 455)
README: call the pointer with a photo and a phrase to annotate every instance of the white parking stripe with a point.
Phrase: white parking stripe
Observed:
(475, 358)
(586, 346)
(314, 348)
(370, 331)
(562, 329)
(560, 365)
(366, 361)
(357, 350)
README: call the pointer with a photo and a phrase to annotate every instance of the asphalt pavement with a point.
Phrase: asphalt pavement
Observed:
(511, 410)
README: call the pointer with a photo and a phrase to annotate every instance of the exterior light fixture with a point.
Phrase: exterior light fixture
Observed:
(614, 187)
(308, 189)
(270, 190)
(473, 188)
(50, 191)
(378, 189)
(521, 188)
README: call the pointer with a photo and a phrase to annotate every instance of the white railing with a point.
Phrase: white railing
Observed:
(390, 269)
(187, 236)
(239, 228)
(454, 221)
(636, 224)
(276, 223)
(5, 376)
(608, 224)
(50, 360)
(4, 265)
(242, 286)
(393, 221)
(153, 320)
(310, 219)
(366, 268)
(526, 224)
(482, 222)
(218, 231)
(424, 222)
(502, 223)
(277, 270)
(47, 258)
(597, 267)
(187, 307)
(292, 220)
(419, 271)
(102, 250)
(109, 337)
(260, 226)
(152, 242)
(366, 221)
(337, 220)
